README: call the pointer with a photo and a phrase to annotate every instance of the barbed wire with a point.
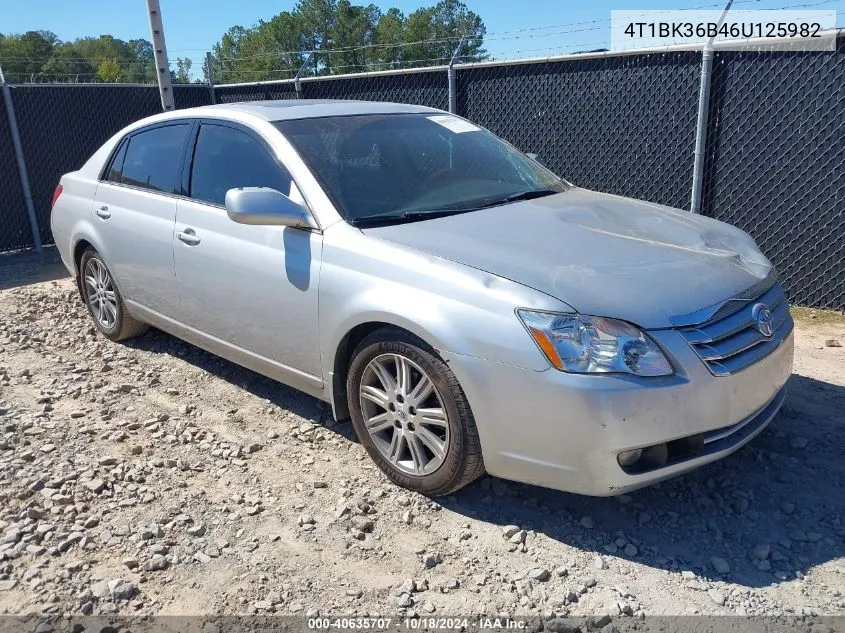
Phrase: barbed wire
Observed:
(85, 61)
(403, 61)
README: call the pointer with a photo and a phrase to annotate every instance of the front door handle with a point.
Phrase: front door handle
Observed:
(103, 212)
(188, 237)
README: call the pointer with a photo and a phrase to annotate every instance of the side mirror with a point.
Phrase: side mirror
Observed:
(266, 207)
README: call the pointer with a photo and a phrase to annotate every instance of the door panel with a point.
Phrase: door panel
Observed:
(136, 237)
(135, 210)
(252, 286)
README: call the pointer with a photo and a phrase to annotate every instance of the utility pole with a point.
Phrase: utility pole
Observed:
(209, 69)
(707, 54)
(160, 52)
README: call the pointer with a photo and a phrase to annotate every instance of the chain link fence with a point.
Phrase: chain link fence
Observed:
(623, 124)
(15, 232)
(775, 163)
(255, 92)
(62, 125)
(426, 88)
(191, 95)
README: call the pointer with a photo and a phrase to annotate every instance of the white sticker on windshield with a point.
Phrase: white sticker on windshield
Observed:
(454, 123)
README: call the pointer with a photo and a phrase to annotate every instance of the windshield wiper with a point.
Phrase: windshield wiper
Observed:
(516, 197)
(413, 216)
(407, 216)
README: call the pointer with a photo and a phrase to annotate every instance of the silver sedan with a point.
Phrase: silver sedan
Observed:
(468, 309)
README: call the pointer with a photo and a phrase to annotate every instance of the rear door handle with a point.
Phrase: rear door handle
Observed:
(103, 212)
(188, 237)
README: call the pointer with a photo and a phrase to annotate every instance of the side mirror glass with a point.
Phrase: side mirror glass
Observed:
(266, 207)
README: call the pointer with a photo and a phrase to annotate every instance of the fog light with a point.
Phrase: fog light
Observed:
(656, 456)
(629, 458)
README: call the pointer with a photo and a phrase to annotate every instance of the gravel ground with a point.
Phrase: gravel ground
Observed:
(133, 476)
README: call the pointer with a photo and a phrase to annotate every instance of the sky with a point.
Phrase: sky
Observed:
(516, 28)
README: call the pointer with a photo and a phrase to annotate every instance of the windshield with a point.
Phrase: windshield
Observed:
(385, 168)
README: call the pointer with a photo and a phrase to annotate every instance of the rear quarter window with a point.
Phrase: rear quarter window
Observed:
(115, 170)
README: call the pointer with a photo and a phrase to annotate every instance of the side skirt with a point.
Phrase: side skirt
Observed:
(312, 385)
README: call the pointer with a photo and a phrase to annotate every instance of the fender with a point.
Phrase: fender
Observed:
(365, 281)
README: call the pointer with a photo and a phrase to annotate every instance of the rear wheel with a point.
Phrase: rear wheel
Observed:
(103, 299)
(411, 414)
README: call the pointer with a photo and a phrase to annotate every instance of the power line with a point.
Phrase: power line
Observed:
(403, 61)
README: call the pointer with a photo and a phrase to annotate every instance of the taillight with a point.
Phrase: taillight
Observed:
(56, 195)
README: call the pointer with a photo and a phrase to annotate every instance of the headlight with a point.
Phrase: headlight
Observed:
(594, 345)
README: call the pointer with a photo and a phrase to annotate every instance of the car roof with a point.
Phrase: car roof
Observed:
(284, 109)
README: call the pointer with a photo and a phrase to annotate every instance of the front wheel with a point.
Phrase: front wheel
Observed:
(411, 415)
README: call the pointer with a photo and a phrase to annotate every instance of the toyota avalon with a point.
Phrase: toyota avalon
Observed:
(467, 308)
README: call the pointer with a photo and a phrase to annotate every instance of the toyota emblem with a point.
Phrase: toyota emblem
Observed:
(763, 319)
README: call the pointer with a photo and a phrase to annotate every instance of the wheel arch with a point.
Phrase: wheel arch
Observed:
(79, 248)
(346, 346)
(85, 236)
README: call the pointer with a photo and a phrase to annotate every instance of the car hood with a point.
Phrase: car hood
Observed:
(601, 254)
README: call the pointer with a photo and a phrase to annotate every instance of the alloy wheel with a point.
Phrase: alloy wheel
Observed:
(404, 414)
(100, 293)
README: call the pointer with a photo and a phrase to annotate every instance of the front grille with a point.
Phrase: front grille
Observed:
(730, 342)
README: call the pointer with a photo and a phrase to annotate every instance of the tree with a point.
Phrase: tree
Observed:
(344, 36)
(433, 34)
(142, 69)
(317, 19)
(109, 71)
(65, 64)
(228, 54)
(183, 70)
(22, 56)
(389, 35)
(353, 36)
(347, 38)
(41, 56)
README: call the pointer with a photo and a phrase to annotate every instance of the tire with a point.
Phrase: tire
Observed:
(104, 301)
(431, 455)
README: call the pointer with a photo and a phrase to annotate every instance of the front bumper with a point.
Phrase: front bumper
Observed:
(564, 431)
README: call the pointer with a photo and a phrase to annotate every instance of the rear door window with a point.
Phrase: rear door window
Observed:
(153, 158)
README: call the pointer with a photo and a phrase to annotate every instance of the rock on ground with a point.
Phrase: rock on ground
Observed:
(152, 477)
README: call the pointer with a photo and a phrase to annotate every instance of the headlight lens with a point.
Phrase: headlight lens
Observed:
(594, 345)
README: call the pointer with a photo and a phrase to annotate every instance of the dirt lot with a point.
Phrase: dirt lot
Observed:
(136, 475)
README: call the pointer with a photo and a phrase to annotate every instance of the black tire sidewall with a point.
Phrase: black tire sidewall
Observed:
(453, 465)
(112, 332)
